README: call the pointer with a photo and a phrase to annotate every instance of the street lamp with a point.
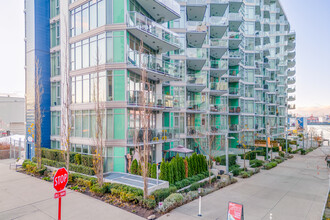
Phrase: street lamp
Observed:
(227, 159)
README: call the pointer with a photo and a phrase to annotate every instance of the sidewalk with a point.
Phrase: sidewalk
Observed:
(26, 197)
(295, 189)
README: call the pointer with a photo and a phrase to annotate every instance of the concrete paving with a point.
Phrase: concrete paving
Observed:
(26, 197)
(296, 189)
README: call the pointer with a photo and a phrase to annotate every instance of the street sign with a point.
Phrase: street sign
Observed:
(235, 211)
(59, 194)
(60, 179)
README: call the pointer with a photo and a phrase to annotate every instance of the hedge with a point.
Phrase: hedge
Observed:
(176, 170)
(59, 156)
(72, 167)
(231, 157)
(162, 194)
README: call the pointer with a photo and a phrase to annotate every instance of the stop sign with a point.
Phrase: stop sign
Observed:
(60, 179)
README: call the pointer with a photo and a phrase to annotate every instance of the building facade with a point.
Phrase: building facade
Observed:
(216, 70)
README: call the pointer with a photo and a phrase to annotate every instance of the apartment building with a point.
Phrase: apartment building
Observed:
(217, 71)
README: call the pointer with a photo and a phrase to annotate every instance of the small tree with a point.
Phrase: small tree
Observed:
(38, 114)
(134, 167)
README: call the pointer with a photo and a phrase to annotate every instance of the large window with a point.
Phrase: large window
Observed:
(91, 15)
(100, 49)
(55, 34)
(54, 8)
(55, 63)
(55, 93)
(84, 88)
(55, 123)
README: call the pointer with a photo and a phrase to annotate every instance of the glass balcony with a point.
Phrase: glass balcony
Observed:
(291, 106)
(234, 54)
(136, 136)
(196, 32)
(197, 53)
(291, 81)
(160, 38)
(234, 109)
(196, 2)
(234, 127)
(196, 131)
(196, 10)
(193, 105)
(234, 75)
(291, 98)
(292, 90)
(219, 86)
(235, 17)
(215, 129)
(162, 10)
(219, 64)
(291, 73)
(197, 79)
(164, 69)
(218, 108)
(218, 43)
(233, 91)
(150, 99)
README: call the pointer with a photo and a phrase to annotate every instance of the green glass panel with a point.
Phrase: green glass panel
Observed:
(118, 47)
(119, 159)
(118, 11)
(119, 85)
(119, 122)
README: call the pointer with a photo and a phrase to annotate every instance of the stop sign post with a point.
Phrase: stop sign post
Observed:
(60, 181)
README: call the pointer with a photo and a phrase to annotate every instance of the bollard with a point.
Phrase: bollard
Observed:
(200, 203)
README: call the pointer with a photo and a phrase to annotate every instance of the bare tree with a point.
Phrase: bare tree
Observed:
(38, 114)
(145, 114)
(66, 100)
(208, 148)
(99, 114)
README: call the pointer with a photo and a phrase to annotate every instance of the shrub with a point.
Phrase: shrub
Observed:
(134, 167)
(236, 171)
(174, 198)
(96, 189)
(26, 162)
(303, 152)
(256, 163)
(87, 160)
(281, 154)
(148, 203)
(218, 159)
(83, 182)
(154, 171)
(244, 174)
(163, 171)
(195, 186)
(162, 194)
(270, 165)
(72, 167)
(77, 159)
(231, 158)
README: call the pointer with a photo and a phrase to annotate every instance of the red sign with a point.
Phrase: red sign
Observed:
(235, 211)
(60, 179)
(59, 194)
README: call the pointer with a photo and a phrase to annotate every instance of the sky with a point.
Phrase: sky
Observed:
(310, 20)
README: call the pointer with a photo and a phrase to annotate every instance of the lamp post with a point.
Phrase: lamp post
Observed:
(227, 159)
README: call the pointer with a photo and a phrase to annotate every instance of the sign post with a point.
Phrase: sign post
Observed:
(60, 181)
(235, 211)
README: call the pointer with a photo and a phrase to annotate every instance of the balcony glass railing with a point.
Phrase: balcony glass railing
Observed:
(218, 86)
(234, 54)
(199, 79)
(196, 2)
(219, 64)
(218, 43)
(137, 20)
(234, 72)
(195, 131)
(234, 109)
(235, 16)
(233, 127)
(139, 135)
(217, 128)
(233, 91)
(152, 63)
(234, 35)
(198, 26)
(194, 105)
(150, 99)
(197, 53)
(218, 21)
(218, 108)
